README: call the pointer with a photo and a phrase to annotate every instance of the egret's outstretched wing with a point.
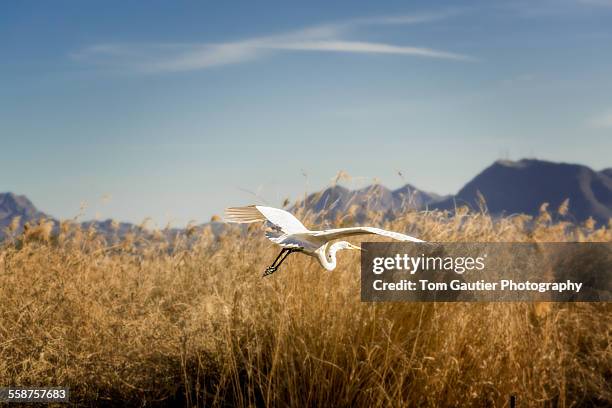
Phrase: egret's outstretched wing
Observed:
(337, 233)
(281, 219)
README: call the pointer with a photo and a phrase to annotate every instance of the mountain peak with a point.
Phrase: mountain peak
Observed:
(12, 205)
(522, 186)
(376, 197)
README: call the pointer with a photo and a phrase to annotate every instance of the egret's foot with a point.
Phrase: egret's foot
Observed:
(270, 270)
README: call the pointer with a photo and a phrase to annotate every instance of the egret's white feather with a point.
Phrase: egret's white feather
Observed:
(243, 215)
(283, 220)
(337, 233)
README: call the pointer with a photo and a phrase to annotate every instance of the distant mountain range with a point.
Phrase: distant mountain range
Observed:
(508, 187)
(338, 200)
(511, 187)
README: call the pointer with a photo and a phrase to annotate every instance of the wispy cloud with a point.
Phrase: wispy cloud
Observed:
(601, 121)
(321, 38)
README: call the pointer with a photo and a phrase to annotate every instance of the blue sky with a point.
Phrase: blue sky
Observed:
(149, 109)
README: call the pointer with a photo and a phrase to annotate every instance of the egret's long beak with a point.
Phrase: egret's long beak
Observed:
(351, 246)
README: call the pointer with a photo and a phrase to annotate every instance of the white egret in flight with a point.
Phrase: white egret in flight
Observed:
(292, 236)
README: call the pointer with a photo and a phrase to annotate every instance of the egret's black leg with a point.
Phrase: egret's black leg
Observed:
(283, 251)
(274, 267)
(284, 257)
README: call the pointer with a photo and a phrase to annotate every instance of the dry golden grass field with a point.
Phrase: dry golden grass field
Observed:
(146, 322)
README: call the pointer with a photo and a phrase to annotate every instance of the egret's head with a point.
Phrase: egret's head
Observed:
(346, 245)
(351, 246)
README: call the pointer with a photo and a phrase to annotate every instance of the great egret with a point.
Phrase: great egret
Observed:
(292, 236)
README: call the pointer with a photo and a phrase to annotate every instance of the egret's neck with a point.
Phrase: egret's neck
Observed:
(327, 257)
